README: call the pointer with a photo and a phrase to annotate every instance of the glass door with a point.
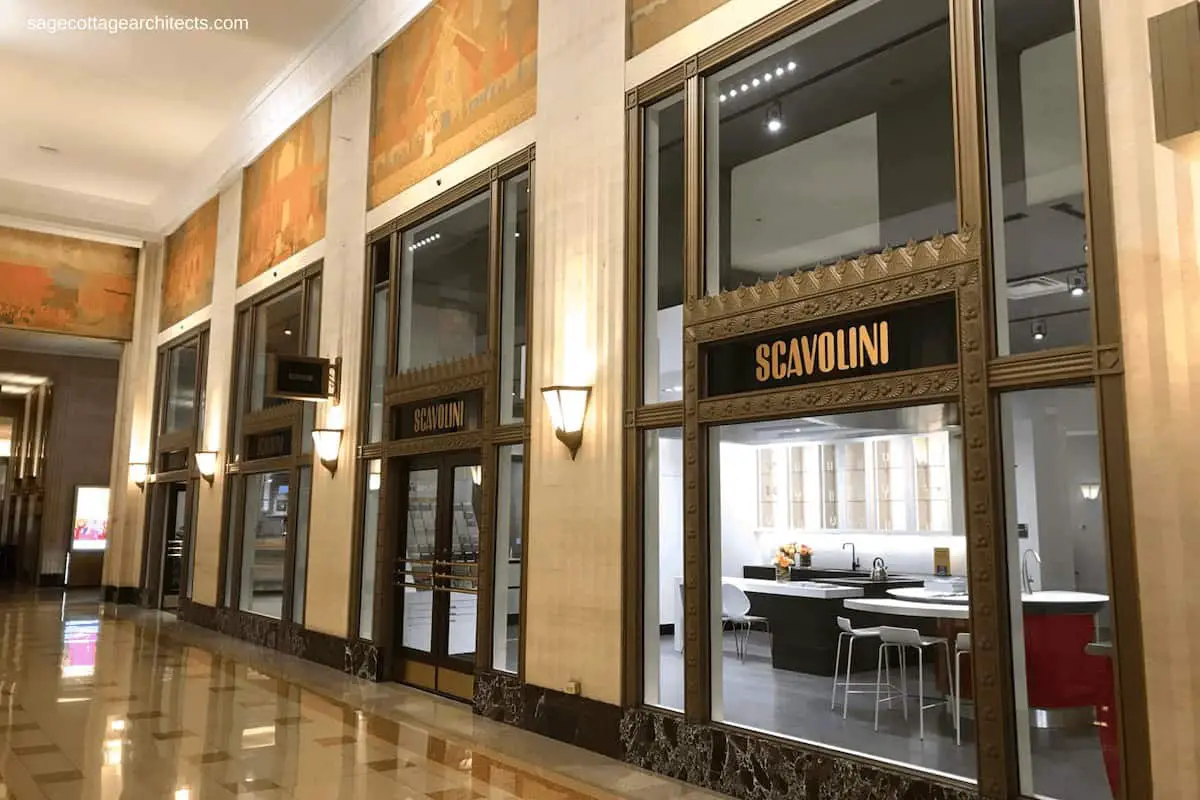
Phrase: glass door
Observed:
(437, 573)
(175, 524)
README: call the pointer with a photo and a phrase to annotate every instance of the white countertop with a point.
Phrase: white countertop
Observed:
(807, 589)
(908, 608)
(1063, 601)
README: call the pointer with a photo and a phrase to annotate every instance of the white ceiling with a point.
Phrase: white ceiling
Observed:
(133, 114)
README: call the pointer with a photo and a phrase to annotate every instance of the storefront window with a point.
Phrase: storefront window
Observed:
(797, 615)
(1061, 614)
(179, 403)
(278, 327)
(380, 280)
(662, 532)
(300, 545)
(1039, 224)
(510, 514)
(312, 346)
(444, 286)
(264, 542)
(662, 252)
(370, 522)
(514, 269)
(835, 141)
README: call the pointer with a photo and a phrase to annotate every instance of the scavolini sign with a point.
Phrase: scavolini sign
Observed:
(439, 416)
(897, 339)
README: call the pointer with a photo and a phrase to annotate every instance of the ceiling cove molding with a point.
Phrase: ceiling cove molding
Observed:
(359, 35)
(49, 210)
(70, 231)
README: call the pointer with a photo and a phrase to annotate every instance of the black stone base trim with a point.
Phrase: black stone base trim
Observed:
(355, 657)
(51, 580)
(585, 723)
(500, 697)
(121, 595)
(746, 765)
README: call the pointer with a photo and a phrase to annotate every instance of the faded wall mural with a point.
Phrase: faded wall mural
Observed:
(651, 21)
(283, 195)
(462, 73)
(188, 270)
(64, 285)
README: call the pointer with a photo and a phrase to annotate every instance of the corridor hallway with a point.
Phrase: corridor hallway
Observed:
(133, 705)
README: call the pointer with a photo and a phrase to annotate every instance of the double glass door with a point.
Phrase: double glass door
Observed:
(175, 523)
(437, 572)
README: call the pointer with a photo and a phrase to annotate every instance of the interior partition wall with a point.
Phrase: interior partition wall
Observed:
(839, 179)
(438, 571)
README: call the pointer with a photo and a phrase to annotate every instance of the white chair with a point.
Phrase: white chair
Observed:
(900, 640)
(962, 647)
(735, 609)
(849, 633)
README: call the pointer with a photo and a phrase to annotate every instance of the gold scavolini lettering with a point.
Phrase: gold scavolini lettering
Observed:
(439, 417)
(822, 353)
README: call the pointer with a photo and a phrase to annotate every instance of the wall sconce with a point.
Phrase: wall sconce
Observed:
(1090, 491)
(568, 407)
(328, 442)
(139, 471)
(206, 464)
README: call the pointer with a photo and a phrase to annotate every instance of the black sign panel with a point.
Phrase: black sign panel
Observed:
(441, 415)
(173, 461)
(897, 339)
(298, 378)
(269, 445)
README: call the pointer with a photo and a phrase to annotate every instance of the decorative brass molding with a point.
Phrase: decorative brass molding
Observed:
(438, 380)
(659, 415)
(370, 451)
(828, 284)
(917, 386)
(1108, 360)
(1027, 371)
(696, 620)
(509, 434)
(272, 419)
(467, 440)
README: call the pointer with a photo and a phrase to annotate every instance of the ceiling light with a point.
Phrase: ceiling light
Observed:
(517, 235)
(1038, 329)
(287, 331)
(767, 76)
(774, 120)
(1078, 284)
(791, 66)
(733, 92)
(779, 71)
(755, 82)
(745, 88)
(722, 98)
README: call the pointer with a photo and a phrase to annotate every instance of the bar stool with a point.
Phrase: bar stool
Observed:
(850, 633)
(900, 640)
(962, 647)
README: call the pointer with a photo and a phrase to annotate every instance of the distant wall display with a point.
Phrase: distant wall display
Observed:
(91, 518)
(651, 21)
(64, 285)
(188, 270)
(283, 195)
(458, 76)
(439, 416)
(910, 337)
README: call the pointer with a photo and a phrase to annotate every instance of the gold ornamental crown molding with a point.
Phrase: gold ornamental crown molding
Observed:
(916, 257)
(917, 386)
(467, 440)
(449, 377)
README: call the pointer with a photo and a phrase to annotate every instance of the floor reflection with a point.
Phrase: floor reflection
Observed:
(135, 706)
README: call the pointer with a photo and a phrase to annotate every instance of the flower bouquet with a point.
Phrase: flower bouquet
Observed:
(783, 560)
(805, 553)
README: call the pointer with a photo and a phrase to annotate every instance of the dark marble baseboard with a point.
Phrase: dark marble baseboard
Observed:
(585, 723)
(121, 595)
(49, 580)
(362, 659)
(500, 697)
(754, 767)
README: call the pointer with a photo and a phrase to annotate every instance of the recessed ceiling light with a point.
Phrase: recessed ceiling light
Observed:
(733, 92)
(779, 71)
(745, 88)
(755, 81)
(1038, 328)
(722, 98)
(791, 66)
(767, 77)
(287, 331)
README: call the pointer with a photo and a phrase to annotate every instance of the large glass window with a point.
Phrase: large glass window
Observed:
(836, 140)
(662, 529)
(278, 327)
(662, 253)
(1039, 224)
(510, 514)
(300, 546)
(514, 270)
(797, 644)
(179, 402)
(444, 286)
(380, 281)
(370, 512)
(264, 542)
(1061, 614)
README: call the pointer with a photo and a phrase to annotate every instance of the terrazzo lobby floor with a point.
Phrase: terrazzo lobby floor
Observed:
(133, 705)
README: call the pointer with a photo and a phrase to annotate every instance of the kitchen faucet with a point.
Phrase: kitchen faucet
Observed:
(853, 556)
(1025, 574)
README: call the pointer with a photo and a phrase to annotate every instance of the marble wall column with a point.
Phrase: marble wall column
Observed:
(573, 604)
(1156, 197)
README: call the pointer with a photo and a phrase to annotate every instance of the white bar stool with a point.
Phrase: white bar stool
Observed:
(850, 633)
(900, 639)
(962, 647)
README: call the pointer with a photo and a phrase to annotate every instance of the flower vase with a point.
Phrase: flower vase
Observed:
(806, 561)
(783, 574)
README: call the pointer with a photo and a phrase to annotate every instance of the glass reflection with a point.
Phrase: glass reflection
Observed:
(79, 648)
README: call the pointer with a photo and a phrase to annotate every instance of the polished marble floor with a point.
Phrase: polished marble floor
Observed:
(107, 704)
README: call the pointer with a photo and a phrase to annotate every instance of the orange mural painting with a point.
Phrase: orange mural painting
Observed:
(461, 74)
(283, 195)
(651, 21)
(188, 270)
(63, 285)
